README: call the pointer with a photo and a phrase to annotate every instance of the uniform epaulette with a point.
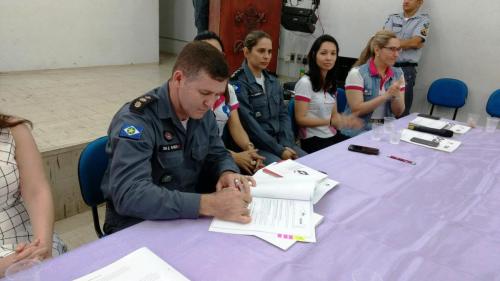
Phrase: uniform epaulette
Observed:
(425, 15)
(236, 73)
(141, 102)
(395, 14)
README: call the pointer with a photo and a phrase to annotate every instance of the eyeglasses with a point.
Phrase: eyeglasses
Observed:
(393, 49)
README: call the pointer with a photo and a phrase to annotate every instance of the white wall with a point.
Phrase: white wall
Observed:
(76, 33)
(176, 24)
(463, 43)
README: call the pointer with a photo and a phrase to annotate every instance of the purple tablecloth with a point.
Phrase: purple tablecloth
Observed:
(436, 220)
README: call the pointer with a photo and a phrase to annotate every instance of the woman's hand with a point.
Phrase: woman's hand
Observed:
(249, 160)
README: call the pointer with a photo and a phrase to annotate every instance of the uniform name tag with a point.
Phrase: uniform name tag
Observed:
(397, 25)
(253, 95)
(170, 147)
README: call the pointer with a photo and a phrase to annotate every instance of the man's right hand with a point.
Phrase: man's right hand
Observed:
(228, 204)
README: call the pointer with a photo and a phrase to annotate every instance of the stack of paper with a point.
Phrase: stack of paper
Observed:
(140, 265)
(430, 141)
(440, 124)
(282, 205)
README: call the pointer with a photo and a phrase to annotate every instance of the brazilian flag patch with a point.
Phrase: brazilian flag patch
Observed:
(131, 132)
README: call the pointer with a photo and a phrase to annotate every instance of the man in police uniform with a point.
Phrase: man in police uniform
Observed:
(164, 150)
(412, 28)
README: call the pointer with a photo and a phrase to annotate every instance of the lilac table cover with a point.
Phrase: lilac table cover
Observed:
(436, 220)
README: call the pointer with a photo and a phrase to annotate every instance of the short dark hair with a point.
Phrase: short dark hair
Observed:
(254, 37)
(199, 55)
(314, 71)
(208, 35)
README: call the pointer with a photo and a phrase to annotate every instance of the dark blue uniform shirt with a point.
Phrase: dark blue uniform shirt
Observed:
(157, 168)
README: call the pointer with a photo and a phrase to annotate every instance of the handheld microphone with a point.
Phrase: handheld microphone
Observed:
(439, 132)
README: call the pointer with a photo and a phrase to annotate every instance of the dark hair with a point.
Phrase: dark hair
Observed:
(380, 40)
(199, 55)
(253, 38)
(208, 35)
(314, 71)
(8, 121)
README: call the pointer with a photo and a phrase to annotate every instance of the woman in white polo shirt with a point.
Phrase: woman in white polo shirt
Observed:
(315, 100)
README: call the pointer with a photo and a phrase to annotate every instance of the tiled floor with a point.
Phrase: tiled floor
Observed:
(73, 106)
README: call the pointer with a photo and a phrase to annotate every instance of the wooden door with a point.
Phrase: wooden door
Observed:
(234, 19)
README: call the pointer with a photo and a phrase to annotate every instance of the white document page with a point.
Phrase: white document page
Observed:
(283, 188)
(293, 169)
(284, 242)
(140, 265)
(322, 188)
(439, 124)
(444, 143)
(279, 216)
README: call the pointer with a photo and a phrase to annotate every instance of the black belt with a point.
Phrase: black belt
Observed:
(405, 64)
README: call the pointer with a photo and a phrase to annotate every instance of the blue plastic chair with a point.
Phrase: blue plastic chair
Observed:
(493, 105)
(291, 113)
(341, 100)
(447, 92)
(91, 167)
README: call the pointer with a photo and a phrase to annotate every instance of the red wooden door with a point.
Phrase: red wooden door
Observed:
(234, 19)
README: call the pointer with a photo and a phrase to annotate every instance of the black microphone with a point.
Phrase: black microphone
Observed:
(439, 132)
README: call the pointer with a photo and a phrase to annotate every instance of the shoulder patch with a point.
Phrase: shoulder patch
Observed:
(236, 73)
(141, 102)
(236, 87)
(131, 131)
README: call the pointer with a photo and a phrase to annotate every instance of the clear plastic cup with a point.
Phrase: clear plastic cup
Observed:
(24, 270)
(388, 124)
(472, 119)
(395, 136)
(365, 275)
(377, 131)
(491, 124)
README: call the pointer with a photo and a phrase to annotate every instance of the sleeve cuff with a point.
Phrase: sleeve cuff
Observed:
(190, 205)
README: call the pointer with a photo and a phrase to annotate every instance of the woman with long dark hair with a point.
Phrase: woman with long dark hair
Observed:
(25, 197)
(315, 100)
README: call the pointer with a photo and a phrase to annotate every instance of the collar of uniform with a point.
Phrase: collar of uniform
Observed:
(249, 74)
(165, 109)
(374, 72)
(416, 15)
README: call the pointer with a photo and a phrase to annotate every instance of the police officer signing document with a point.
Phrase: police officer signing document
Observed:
(412, 28)
(164, 150)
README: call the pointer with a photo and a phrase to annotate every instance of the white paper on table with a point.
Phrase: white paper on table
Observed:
(140, 265)
(440, 124)
(444, 143)
(279, 216)
(322, 188)
(285, 243)
(292, 169)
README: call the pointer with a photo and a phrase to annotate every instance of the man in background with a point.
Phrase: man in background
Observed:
(412, 28)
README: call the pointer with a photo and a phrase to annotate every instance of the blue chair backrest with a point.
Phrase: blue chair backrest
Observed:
(341, 100)
(291, 113)
(91, 167)
(493, 105)
(447, 92)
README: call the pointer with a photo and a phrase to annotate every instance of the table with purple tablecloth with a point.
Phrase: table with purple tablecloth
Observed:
(436, 220)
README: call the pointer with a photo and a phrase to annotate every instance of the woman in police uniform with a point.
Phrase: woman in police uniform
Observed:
(262, 110)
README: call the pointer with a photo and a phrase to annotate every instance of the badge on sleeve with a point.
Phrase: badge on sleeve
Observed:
(236, 87)
(131, 132)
